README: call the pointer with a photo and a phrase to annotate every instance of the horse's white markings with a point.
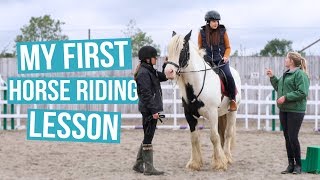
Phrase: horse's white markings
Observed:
(210, 97)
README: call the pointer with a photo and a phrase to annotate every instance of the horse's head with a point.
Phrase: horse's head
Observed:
(178, 55)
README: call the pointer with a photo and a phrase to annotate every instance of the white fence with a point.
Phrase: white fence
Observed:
(267, 102)
(263, 103)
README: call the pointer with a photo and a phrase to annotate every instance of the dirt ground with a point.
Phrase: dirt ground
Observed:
(257, 155)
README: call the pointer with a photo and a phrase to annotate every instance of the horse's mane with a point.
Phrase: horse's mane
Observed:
(201, 52)
(176, 44)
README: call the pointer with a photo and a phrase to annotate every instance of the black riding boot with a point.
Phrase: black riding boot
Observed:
(138, 166)
(297, 167)
(290, 166)
(147, 154)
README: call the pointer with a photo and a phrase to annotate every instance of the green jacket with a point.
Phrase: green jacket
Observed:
(294, 85)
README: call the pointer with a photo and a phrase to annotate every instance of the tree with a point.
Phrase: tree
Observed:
(5, 54)
(138, 38)
(235, 54)
(42, 28)
(276, 47)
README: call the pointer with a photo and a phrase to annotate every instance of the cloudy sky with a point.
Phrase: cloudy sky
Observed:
(250, 23)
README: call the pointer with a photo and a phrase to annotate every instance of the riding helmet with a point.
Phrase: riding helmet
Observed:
(147, 52)
(212, 15)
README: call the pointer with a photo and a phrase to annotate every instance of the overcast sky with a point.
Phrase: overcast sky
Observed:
(250, 23)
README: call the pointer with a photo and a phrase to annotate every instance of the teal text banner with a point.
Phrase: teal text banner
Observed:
(73, 126)
(64, 90)
(74, 55)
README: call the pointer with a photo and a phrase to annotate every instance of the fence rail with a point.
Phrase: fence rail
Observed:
(256, 103)
(263, 104)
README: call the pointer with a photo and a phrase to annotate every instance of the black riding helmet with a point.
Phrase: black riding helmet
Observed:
(147, 52)
(212, 15)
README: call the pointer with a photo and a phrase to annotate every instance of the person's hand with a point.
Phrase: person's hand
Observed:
(281, 100)
(155, 116)
(225, 59)
(269, 72)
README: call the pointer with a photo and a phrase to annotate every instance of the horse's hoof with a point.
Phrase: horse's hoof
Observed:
(220, 167)
(221, 164)
(194, 166)
(229, 159)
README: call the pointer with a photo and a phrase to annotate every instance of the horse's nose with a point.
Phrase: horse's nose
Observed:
(168, 72)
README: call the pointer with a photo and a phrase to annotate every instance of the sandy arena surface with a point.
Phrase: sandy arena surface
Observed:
(257, 155)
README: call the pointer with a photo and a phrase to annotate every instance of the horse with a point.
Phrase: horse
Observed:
(202, 96)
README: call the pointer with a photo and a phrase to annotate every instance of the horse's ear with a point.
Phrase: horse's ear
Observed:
(173, 33)
(187, 37)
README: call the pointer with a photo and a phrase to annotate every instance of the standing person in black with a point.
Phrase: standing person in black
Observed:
(150, 104)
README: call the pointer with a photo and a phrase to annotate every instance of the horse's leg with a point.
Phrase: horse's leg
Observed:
(222, 128)
(219, 160)
(230, 135)
(195, 161)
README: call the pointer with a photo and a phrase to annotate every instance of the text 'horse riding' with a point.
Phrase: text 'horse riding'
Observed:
(201, 96)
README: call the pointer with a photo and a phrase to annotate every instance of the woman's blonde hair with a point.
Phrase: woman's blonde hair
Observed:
(298, 61)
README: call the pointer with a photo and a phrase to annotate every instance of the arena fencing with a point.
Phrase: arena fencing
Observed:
(263, 104)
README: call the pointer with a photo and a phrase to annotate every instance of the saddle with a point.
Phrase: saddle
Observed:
(223, 82)
(223, 79)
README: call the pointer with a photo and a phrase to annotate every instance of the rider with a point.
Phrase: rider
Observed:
(214, 39)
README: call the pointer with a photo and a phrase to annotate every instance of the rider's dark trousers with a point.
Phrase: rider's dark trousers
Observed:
(230, 81)
(149, 127)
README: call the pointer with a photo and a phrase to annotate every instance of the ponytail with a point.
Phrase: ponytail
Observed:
(304, 65)
(299, 61)
(135, 73)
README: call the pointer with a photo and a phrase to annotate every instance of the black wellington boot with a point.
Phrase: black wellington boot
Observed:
(138, 166)
(147, 154)
(297, 167)
(290, 166)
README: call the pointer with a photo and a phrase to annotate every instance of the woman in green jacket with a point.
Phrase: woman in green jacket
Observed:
(292, 89)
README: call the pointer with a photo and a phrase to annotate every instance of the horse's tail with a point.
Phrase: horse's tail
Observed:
(222, 125)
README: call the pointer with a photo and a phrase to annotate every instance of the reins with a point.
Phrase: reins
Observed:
(183, 59)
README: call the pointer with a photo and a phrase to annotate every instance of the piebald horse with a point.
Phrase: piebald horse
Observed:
(201, 96)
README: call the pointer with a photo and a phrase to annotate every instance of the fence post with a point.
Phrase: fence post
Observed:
(12, 119)
(5, 110)
(18, 119)
(316, 109)
(267, 120)
(175, 107)
(246, 105)
(273, 110)
(259, 106)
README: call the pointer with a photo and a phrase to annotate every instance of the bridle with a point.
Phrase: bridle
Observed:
(183, 58)
(183, 63)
